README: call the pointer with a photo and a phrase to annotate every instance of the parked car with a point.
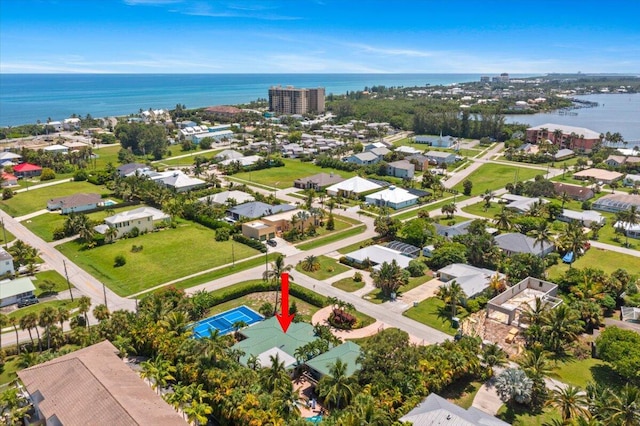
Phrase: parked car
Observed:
(27, 301)
(272, 243)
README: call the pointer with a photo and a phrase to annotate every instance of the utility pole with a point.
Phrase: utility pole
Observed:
(4, 232)
(233, 255)
(104, 291)
(67, 275)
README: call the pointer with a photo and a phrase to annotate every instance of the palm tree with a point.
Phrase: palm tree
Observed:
(561, 326)
(389, 277)
(63, 315)
(336, 388)
(48, 317)
(275, 375)
(536, 363)
(449, 209)
(573, 239)
(504, 219)
(625, 406)
(278, 267)
(111, 234)
(493, 356)
(4, 321)
(84, 304)
(310, 264)
(570, 400)
(564, 198)
(28, 322)
(211, 347)
(13, 322)
(101, 312)
(542, 235)
(451, 294)
(159, 371)
(287, 399)
(513, 385)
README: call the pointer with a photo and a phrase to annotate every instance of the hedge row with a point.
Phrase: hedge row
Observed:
(255, 244)
(210, 222)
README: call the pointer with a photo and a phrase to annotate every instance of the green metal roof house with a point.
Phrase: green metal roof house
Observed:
(348, 353)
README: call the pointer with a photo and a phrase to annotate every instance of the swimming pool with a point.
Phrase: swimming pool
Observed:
(108, 203)
(315, 419)
(224, 321)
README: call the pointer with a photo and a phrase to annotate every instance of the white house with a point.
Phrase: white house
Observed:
(630, 180)
(229, 154)
(74, 203)
(55, 149)
(176, 179)
(249, 160)
(378, 255)
(221, 198)
(521, 203)
(72, 123)
(12, 291)
(440, 157)
(472, 280)
(363, 158)
(143, 218)
(6, 263)
(353, 186)
(585, 218)
(394, 197)
(9, 158)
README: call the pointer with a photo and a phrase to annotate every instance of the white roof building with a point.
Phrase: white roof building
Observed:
(176, 179)
(393, 197)
(135, 214)
(586, 218)
(378, 255)
(354, 185)
(521, 203)
(221, 197)
(472, 280)
(244, 161)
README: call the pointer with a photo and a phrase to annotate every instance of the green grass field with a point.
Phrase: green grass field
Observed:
(283, 177)
(521, 417)
(348, 284)
(185, 161)
(496, 176)
(53, 276)
(38, 307)
(9, 237)
(106, 155)
(328, 268)
(166, 255)
(34, 200)
(580, 372)
(331, 238)
(377, 297)
(606, 260)
(462, 392)
(431, 312)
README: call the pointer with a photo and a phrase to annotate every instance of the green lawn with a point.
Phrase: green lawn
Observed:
(354, 246)
(376, 295)
(45, 224)
(462, 391)
(432, 312)
(348, 284)
(283, 177)
(59, 280)
(328, 268)
(521, 417)
(496, 176)
(431, 207)
(331, 238)
(38, 307)
(580, 372)
(34, 200)
(106, 155)
(166, 255)
(9, 237)
(8, 373)
(606, 260)
(186, 161)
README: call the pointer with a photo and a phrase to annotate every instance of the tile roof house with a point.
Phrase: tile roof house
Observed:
(94, 386)
(514, 242)
(348, 353)
(580, 193)
(8, 179)
(256, 209)
(317, 182)
(74, 203)
(604, 176)
(435, 410)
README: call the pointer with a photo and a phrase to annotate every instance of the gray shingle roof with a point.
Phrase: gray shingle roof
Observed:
(435, 410)
(258, 209)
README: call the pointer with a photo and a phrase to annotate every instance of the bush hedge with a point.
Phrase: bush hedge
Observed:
(255, 244)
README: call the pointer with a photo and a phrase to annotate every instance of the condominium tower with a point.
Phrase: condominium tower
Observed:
(289, 100)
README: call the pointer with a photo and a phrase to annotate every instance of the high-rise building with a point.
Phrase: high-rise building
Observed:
(289, 100)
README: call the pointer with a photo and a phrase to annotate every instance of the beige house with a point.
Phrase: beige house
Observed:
(599, 175)
(143, 218)
(258, 230)
(283, 221)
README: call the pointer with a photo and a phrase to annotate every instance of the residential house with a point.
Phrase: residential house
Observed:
(615, 160)
(520, 203)
(507, 306)
(580, 193)
(258, 230)
(176, 179)
(72, 123)
(284, 221)
(421, 162)
(363, 158)
(25, 170)
(514, 242)
(142, 218)
(380, 151)
(574, 138)
(563, 154)
(372, 145)
(435, 410)
(598, 175)
(347, 352)
(224, 111)
(377, 255)
(394, 197)
(616, 202)
(401, 169)
(14, 290)
(222, 198)
(130, 169)
(9, 180)
(74, 203)
(229, 154)
(471, 279)
(407, 150)
(6, 263)
(631, 180)
(631, 230)
(436, 141)
(441, 157)
(318, 182)
(585, 218)
(256, 209)
(354, 186)
(249, 160)
(56, 149)
(8, 158)
(94, 386)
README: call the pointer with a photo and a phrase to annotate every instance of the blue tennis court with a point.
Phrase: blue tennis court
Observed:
(224, 321)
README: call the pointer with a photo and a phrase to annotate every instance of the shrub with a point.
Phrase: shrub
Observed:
(341, 319)
(133, 233)
(80, 175)
(266, 309)
(120, 260)
(552, 259)
(222, 234)
(473, 306)
(255, 244)
(357, 277)
(7, 193)
(586, 205)
(47, 174)
(136, 249)
(416, 268)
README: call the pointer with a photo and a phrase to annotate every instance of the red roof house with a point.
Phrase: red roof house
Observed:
(27, 170)
(8, 179)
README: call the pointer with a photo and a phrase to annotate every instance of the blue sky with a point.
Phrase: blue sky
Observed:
(321, 36)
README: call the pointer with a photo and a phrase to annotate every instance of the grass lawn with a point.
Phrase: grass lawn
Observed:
(331, 238)
(328, 268)
(431, 207)
(348, 284)
(606, 260)
(496, 176)
(167, 255)
(462, 391)
(9, 237)
(283, 177)
(53, 276)
(432, 312)
(354, 246)
(520, 416)
(376, 295)
(8, 373)
(106, 155)
(45, 224)
(580, 372)
(31, 201)
(186, 161)
(38, 307)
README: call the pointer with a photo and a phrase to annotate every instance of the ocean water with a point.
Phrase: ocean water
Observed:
(26, 98)
(614, 113)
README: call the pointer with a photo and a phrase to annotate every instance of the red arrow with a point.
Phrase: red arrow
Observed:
(285, 318)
